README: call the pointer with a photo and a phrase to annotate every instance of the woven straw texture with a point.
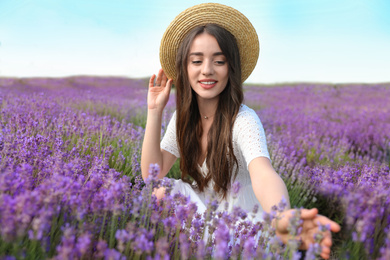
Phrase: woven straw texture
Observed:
(227, 17)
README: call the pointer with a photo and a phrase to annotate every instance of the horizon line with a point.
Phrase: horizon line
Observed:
(147, 78)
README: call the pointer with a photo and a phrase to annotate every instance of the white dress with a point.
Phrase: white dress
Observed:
(249, 142)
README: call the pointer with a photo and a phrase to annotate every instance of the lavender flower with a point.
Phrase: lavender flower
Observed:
(295, 223)
(313, 252)
(250, 248)
(222, 238)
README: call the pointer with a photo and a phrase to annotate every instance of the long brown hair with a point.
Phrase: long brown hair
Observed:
(220, 160)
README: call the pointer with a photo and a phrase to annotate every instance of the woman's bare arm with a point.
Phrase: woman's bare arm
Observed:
(267, 185)
(151, 151)
(269, 189)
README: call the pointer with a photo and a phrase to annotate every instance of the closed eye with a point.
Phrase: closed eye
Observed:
(220, 62)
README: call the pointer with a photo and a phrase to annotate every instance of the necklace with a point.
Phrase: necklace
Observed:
(207, 117)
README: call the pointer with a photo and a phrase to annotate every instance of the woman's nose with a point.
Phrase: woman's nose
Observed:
(207, 68)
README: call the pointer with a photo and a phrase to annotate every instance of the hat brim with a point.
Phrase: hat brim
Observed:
(226, 17)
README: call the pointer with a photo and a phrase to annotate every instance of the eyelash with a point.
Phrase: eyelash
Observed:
(199, 62)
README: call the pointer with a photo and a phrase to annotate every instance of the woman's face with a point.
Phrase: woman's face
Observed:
(207, 67)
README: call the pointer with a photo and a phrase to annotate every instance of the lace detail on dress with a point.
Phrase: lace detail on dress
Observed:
(248, 134)
(169, 141)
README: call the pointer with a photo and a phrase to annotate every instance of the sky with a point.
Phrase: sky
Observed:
(336, 41)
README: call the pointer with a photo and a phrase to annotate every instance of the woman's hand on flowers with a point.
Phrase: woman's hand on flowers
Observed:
(158, 95)
(311, 224)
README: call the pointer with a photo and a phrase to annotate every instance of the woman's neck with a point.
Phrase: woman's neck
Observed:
(207, 108)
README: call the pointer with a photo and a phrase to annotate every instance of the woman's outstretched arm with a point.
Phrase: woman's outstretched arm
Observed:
(268, 186)
(269, 189)
(158, 96)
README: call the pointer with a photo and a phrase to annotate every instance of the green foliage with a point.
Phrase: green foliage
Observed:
(175, 172)
(139, 119)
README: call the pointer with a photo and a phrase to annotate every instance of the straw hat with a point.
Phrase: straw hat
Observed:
(227, 17)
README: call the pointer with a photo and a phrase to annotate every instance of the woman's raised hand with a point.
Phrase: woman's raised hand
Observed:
(158, 95)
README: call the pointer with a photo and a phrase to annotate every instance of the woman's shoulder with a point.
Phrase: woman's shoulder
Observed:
(246, 112)
(246, 120)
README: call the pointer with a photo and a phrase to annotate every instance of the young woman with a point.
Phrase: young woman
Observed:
(208, 51)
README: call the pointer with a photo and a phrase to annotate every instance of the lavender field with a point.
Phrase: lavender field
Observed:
(70, 185)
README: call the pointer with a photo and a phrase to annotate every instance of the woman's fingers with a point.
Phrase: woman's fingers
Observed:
(164, 80)
(313, 214)
(325, 255)
(311, 225)
(334, 227)
(308, 213)
(151, 81)
(159, 78)
(325, 250)
(168, 87)
(327, 241)
(326, 244)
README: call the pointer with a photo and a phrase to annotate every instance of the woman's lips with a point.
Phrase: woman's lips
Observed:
(208, 84)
